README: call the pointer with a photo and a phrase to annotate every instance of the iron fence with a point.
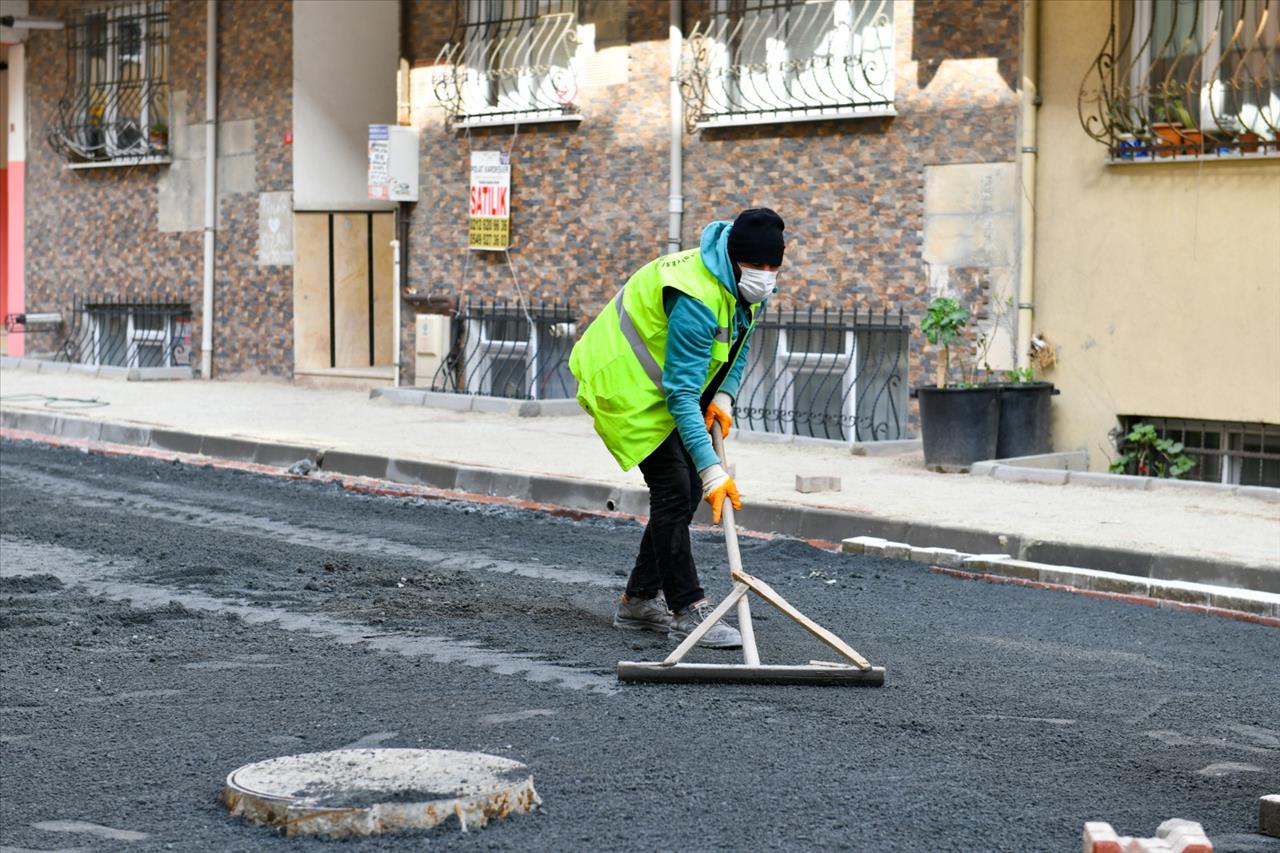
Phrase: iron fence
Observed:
(510, 60)
(1243, 454)
(505, 350)
(1197, 79)
(116, 102)
(830, 374)
(128, 334)
(755, 61)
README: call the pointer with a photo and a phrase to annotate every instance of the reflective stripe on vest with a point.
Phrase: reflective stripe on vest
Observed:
(632, 334)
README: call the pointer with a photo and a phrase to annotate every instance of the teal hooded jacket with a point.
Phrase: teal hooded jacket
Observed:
(691, 329)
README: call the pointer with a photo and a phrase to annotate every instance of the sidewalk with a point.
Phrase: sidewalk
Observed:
(1182, 535)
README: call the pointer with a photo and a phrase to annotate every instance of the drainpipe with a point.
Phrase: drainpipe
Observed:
(395, 301)
(1027, 106)
(675, 197)
(210, 183)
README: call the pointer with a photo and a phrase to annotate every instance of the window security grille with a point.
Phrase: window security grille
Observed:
(1186, 78)
(1241, 454)
(129, 334)
(116, 104)
(826, 374)
(764, 61)
(505, 351)
(513, 62)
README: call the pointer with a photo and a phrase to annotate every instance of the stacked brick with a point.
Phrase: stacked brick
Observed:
(1172, 836)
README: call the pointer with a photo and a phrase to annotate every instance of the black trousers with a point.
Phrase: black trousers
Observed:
(665, 561)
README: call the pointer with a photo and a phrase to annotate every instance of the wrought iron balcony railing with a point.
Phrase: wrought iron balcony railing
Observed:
(116, 103)
(764, 61)
(1186, 78)
(512, 62)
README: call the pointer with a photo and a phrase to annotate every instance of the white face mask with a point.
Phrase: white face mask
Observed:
(756, 285)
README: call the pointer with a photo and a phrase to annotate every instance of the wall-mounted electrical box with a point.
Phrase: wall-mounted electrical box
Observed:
(430, 346)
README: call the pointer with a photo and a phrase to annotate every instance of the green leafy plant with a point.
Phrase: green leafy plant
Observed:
(943, 324)
(1149, 455)
(1020, 375)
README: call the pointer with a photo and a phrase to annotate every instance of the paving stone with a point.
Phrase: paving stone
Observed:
(1099, 837)
(863, 545)
(354, 464)
(1048, 476)
(897, 550)
(239, 449)
(1108, 481)
(1264, 493)
(806, 485)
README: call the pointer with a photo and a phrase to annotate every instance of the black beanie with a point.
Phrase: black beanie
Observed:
(756, 237)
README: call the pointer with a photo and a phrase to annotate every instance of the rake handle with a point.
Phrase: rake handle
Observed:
(750, 655)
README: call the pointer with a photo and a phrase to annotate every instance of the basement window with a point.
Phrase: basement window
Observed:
(129, 334)
(1231, 452)
(769, 61)
(115, 108)
(512, 62)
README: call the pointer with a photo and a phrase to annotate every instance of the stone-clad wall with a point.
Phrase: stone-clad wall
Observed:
(589, 200)
(97, 233)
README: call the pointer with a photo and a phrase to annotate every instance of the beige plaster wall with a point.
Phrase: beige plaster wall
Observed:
(1159, 283)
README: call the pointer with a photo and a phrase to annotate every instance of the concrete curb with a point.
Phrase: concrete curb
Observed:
(129, 374)
(936, 544)
(1032, 473)
(477, 403)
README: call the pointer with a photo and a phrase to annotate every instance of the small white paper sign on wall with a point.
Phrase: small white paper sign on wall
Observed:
(393, 162)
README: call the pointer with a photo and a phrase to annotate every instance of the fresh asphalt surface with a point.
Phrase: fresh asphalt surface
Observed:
(162, 624)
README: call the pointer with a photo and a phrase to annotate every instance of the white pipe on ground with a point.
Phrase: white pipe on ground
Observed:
(1027, 151)
(675, 195)
(210, 184)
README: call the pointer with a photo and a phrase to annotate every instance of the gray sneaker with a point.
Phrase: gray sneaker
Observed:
(721, 636)
(643, 614)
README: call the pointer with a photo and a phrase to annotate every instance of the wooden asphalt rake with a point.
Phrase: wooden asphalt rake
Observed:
(854, 670)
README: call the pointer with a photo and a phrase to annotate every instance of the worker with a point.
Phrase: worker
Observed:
(659, 365)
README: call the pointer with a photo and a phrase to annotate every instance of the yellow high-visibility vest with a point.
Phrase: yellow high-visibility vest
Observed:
(618, 361)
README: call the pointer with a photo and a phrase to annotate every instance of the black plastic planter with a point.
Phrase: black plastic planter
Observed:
(1024, 420)
(959, 426)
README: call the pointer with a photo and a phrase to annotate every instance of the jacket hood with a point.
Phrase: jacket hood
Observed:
(715, 254)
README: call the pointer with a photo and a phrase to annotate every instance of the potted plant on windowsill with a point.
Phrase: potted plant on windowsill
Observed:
(958, 422)
(158, 136)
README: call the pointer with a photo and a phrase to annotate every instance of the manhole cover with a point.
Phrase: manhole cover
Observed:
(354, 792)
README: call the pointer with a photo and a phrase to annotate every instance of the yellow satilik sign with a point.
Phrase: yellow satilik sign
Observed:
(490, 221)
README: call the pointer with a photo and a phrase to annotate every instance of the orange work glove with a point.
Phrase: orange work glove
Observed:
(716, 486)
(719, 411)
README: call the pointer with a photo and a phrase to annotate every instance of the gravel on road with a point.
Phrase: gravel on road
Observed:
(162, 624)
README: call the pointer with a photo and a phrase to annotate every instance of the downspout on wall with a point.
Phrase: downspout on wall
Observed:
(210, 185)
(675, 194)
(1028, 103)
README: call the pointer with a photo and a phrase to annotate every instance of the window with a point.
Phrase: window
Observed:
(116, 105)
(514, 62)
(827, 375)
(1241, 454)
(124, 334)
(506, 351)
(1186, 78)
(763, 61)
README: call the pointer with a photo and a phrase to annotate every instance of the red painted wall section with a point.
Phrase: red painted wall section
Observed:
(4, 240)
(12, 253)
